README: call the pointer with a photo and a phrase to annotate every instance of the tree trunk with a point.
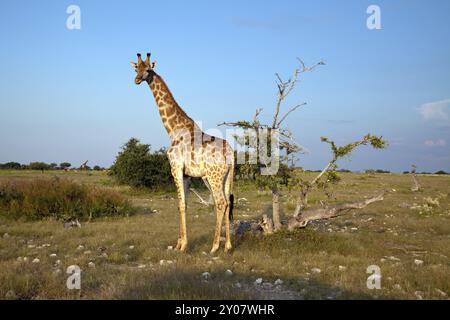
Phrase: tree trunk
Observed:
(276, 208)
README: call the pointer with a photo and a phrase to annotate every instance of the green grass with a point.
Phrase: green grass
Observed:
(127, 250)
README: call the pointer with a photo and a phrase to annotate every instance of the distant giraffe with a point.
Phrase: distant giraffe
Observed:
(84, 165)
(192, 154)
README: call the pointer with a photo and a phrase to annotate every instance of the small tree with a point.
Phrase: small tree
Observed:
(137, 166)
(11, 166)
(39, 166)
(65, 165)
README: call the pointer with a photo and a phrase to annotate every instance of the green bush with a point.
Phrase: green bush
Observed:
(135, 165)
(61, 199)
(39, 166)
(10, 165)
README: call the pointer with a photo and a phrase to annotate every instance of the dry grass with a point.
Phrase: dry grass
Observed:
(127, 251)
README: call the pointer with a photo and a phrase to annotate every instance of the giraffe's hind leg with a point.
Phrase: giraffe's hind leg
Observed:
(217, 186)
(228, 191)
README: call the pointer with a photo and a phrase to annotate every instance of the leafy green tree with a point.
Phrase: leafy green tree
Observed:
(135, 165)
(65, 165)
(11, 166)
(39, 166)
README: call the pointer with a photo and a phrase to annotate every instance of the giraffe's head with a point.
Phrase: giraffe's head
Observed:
(143, 68)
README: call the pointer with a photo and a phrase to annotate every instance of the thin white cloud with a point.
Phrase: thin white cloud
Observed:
(437, 143)
(438, 110)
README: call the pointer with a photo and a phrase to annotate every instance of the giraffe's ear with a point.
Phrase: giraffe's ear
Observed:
(153, 64)
(133, 64)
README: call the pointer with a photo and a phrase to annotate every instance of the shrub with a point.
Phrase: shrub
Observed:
(440, 172)
(61, 199)
(10, 165)
(39, 166)
(135, 165)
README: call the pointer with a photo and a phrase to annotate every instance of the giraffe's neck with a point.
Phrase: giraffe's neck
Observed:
(172, 116)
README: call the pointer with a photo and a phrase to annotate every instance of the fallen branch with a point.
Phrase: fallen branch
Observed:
(201, 200)
(326, 213)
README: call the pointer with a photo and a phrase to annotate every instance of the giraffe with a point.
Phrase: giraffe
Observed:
(192, 153)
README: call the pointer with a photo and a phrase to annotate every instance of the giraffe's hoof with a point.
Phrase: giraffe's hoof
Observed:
(178, 246)
(228, 247)
(214, 249)
(183, 247)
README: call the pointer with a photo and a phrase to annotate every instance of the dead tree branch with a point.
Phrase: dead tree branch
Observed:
(200, 198)
(327, 213)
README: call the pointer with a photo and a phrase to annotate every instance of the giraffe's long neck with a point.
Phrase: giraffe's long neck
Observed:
(172, 116)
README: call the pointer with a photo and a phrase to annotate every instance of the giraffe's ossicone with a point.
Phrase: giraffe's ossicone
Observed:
(192, 153)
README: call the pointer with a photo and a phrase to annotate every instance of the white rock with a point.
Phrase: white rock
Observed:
(170, 248)
(206, 275)
(418, 262)
(131, 247)
(36, 260)
(87, 252)
(267, 285)
(141, 266)
(53, 255)
(162, 262)
(31, 246)
(58, 262)
(258, 281)
(278, 282)
(169, 261)
(316, 270)
(229, 272)
(25, 259)
(91, 264)
(393, 258)
(342, 268)
(442, 293)
(80, 247)
(419, 295)
(354, 229)
(383, 260)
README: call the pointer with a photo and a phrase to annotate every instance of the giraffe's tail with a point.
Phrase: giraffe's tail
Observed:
(229, 186)
(231, 207)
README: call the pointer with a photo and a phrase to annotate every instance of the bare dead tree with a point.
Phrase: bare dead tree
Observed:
(416, 185)
(287, 143)
(302, 214)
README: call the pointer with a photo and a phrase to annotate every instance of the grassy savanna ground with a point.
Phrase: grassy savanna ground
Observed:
(131, 260)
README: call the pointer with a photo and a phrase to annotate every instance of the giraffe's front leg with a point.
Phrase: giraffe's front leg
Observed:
(180, 184)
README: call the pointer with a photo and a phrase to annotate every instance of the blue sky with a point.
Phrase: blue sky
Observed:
(68, 95)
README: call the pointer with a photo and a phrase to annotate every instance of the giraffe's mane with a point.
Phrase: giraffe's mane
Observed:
(175, 103)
